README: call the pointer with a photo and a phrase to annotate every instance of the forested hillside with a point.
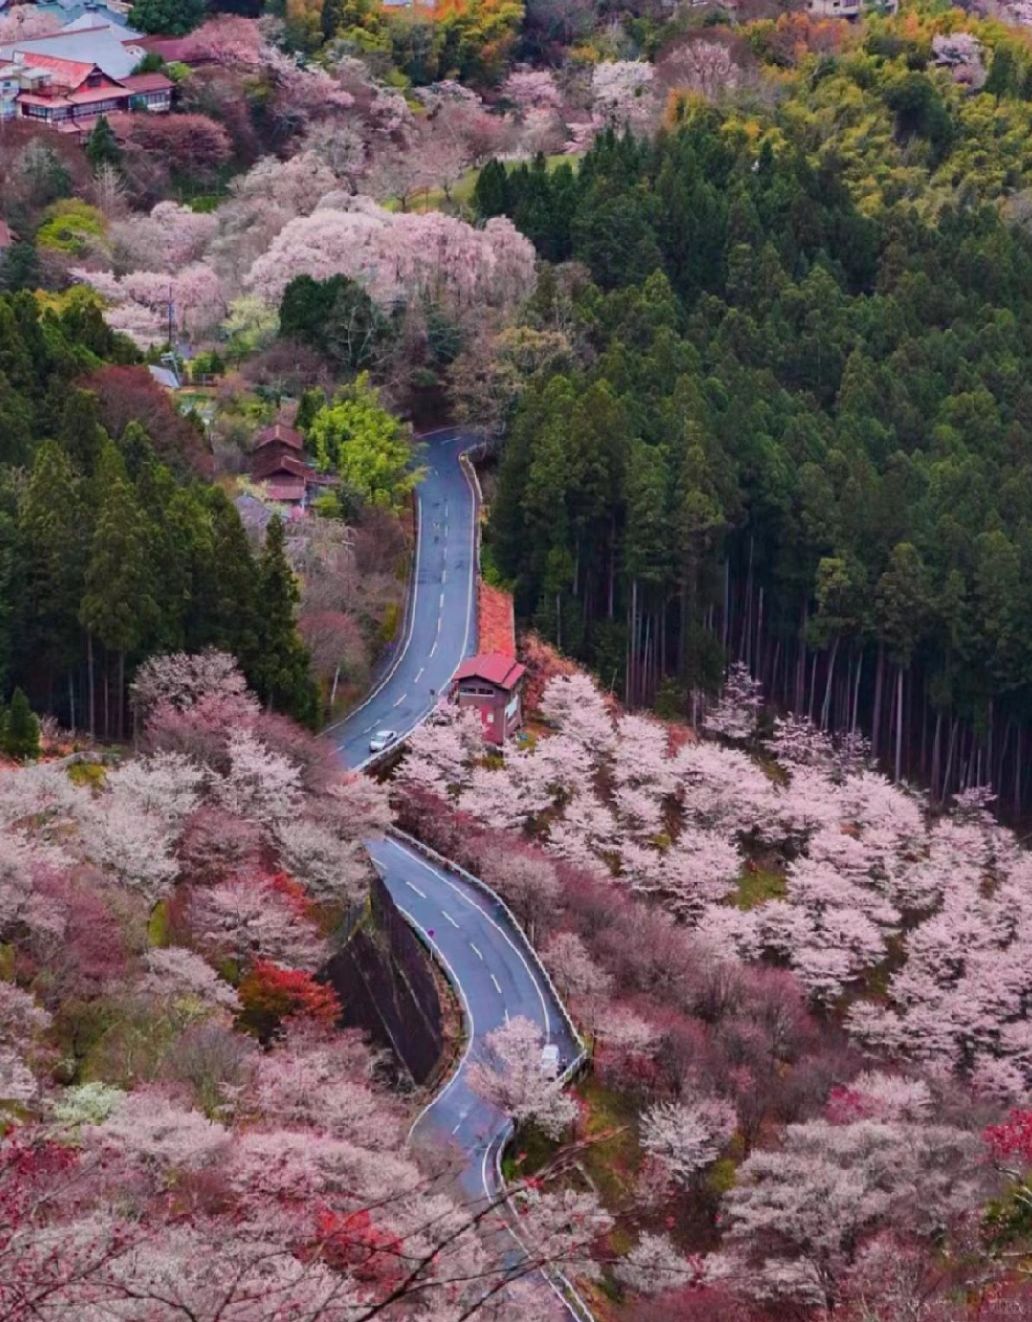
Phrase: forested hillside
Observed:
(782, 408)
(112, 544)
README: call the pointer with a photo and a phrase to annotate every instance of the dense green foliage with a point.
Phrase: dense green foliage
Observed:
(368, 447)
(169, 17)
(108, 552)
(19, 728)
(335, 316)
(800, 430)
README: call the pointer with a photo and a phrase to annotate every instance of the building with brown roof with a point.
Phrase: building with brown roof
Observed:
(492, 683)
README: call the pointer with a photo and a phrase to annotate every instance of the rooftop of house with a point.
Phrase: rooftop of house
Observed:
(505, 672)
(279, 433)
(96, 45)
(267, 463)
(147, 82)
(185, 50)
(164, 376)
(69, 73)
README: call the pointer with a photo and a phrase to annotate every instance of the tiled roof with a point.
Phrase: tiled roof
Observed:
(147, 82)
(504, 671)
(281, 433)
(69, 72)
(96, 45)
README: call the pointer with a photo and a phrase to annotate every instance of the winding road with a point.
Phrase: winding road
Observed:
(486, 956)
(440, 627)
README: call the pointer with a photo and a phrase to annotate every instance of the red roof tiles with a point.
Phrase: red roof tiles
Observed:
(280, 433)
(494, 667)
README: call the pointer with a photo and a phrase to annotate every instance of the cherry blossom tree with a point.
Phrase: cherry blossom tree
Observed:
(510, 1076)
(655, 1264)
(255, 917)
(686, 1137)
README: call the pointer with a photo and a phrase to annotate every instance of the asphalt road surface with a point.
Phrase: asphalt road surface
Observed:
(487, 958)
(497, 977)
(441, 626)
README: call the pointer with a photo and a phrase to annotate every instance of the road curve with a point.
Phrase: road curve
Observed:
(440, 628)
(486, 956)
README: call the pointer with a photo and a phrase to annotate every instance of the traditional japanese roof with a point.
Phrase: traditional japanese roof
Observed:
(183, 50)
(279, 433)
(70, 73)
(505, 672)
(94, 45)
(147, 82)
(268, 463)
(102, 18)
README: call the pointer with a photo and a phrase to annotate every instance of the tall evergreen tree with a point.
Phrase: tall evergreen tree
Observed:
(118, 604)
(282, 677)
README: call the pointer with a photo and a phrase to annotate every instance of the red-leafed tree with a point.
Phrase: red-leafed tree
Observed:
(130, 394)
(270, 994)
(1011, 1141)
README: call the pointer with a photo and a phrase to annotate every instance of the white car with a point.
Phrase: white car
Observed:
(381, 739)
(550, 1061)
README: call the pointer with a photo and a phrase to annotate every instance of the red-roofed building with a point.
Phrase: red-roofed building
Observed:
(71, 94)
(492, 683)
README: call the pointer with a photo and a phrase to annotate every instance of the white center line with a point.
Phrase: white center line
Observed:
(432, 651)
(444, 576)
(457, 1127)
(442, 601)
(421, 894)
(496, 986)
(421, 669)
(475, 951)
(401, 700)
(449, 917)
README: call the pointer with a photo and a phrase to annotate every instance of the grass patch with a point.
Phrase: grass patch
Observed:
(159, 926)
(613, 1162)
(759, 886)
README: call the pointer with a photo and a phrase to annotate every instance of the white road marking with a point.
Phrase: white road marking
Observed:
(444, 575)
(412, 884)
(369, 727)
(475, 950)
(434, 648)
(442, 600)
(458, 1126)
(467, 1009)
(439, 874)
(506, 1016)
(496, 986)
(449, 917)
(401, 700)
(421, 669)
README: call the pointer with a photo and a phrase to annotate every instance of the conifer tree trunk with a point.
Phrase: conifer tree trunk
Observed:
(91, 681)
(879, 676)
(899, 723)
